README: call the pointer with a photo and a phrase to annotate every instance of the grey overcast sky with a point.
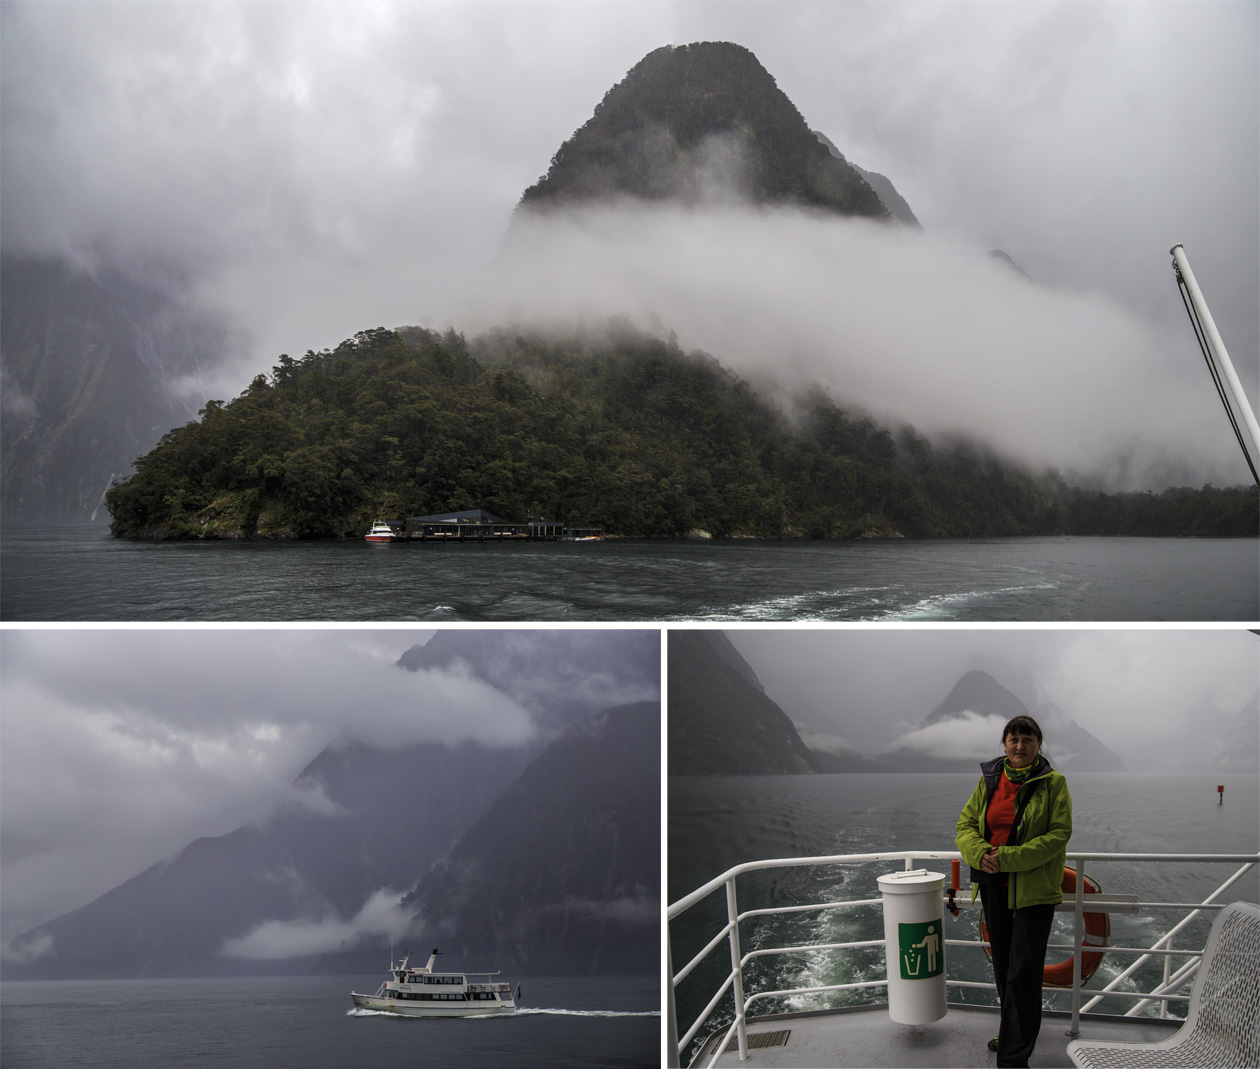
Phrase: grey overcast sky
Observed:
(119, 747)
(316, 169)
(1157, 695)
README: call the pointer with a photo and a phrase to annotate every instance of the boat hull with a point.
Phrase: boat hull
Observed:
(407, 1008)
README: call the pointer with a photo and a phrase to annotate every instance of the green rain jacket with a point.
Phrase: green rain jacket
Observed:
(1033, 860)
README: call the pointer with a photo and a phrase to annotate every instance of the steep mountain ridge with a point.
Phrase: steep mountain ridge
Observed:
(562, 873)
(700, 123)
(721, 722)
(1069, 746)
(882, 185)
(90, 367)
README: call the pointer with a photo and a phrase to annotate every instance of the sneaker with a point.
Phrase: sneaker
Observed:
(993, 1044)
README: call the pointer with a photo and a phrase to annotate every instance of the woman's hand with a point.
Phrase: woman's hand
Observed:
(989, 863)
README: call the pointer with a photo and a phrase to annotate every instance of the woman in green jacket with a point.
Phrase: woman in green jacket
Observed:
(1014, 832)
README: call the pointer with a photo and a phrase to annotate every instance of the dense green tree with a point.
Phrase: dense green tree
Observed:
(616, 428)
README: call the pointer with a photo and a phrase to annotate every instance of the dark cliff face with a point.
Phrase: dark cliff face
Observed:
(696, 124)
(562, 873)
(720, 720)
(89, 368)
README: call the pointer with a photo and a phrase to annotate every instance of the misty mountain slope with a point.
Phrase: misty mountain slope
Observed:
(361, 818)
(89, 365)
(311, 862)
(562, 873)
(883, 187)
(979, 693)
(720, 720)
(1005, 257)
(966, 727)
(560, 676)
(700, 123)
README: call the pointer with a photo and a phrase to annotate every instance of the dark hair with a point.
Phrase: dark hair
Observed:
(1022, 725)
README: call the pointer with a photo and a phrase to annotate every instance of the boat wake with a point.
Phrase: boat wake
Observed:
(586, 1013)
(519, 1012)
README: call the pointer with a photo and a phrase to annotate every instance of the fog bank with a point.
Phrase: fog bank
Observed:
(915, 328)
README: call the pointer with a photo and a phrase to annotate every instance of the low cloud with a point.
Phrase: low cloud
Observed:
(310, 796)
(639, 908)
(137, 742)
(912, 327)
(826, 742)
(28, 952)
(449, 705)
(967, 736)
(381, 916)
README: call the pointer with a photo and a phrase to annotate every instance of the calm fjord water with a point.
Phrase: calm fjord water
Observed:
(77, 572)
(307, 1022)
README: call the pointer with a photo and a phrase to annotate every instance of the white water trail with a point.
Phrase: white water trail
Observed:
(533, 1011)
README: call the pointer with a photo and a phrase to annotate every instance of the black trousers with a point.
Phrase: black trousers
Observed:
(1018, 938)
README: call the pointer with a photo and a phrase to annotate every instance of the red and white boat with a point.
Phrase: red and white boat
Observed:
(380, 532)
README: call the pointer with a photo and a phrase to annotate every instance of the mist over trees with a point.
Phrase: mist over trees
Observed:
(614, 427)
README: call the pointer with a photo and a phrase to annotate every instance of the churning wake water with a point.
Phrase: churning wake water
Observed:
(77, 572)
(305, 1023)
(717, 822)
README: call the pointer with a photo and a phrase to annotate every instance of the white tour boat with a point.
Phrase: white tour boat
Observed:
(421, 992)
(380, 532)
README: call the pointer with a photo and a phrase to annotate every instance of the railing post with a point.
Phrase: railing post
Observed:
(672, 1059)
(732, 915)
(1078, 925)
(1163, 1005)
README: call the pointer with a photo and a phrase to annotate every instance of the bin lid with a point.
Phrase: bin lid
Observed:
(914, 882)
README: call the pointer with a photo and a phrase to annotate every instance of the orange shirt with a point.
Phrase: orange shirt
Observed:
(1000, 815)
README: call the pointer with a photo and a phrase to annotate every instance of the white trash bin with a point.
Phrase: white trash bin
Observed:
(914, 945)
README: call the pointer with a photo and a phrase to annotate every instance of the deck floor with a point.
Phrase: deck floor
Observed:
(867, 1037)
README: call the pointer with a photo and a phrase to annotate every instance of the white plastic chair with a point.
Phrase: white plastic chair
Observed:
(1222, 1026)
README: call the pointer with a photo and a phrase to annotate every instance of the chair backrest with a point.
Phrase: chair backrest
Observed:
(1225, 1000)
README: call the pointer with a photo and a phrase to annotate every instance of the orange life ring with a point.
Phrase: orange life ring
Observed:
(1097, 932)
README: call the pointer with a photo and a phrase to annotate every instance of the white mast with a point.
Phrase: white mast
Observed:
(1241, 416)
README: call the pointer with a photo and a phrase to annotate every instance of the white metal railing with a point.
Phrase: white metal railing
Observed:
(1078, 905)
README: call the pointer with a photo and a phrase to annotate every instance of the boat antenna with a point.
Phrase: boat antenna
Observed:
(1237, 409)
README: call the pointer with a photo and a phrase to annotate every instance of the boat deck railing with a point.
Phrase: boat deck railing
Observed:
(1179, 970)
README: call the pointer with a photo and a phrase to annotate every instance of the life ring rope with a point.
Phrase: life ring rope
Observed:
(1097, 933)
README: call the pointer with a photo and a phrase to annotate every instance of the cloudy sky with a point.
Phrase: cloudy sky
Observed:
(1150, 695)
(312, 170)
(119, 747)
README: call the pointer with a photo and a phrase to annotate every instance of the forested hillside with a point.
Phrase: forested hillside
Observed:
(616, 428)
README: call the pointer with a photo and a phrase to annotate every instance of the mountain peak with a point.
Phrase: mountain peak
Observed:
(701, 123)
(978, 692)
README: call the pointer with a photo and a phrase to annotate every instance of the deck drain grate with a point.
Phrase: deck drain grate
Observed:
(759, 1040)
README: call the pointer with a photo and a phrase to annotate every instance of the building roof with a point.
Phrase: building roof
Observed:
(471, 516)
